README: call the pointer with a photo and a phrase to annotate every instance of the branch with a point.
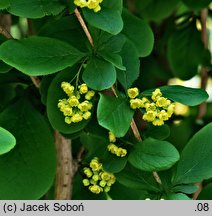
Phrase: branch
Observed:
(204, 79)
(204, 72)
(84, 27)
(4, 32)
(65, 168)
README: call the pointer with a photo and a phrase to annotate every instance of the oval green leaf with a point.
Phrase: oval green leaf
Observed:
(7, 141)
(114, 114)
(106, 19)
(139, 32)
(36, 56)
(28, 171)
(34, 8)
(181, 94)
(195, 162)
(99, 74)
(153, 155)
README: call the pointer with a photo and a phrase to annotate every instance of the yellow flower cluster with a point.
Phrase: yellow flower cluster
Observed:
(78, 105)
(97, 180)
(158, 108)
(114, 149)
(91, 4)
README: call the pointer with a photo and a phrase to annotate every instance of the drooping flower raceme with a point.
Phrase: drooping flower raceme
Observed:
(78, 105)
(91, 4)
(113, 148)
(157, 108)
(97, 180)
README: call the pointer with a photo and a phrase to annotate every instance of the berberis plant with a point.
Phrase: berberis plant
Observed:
(86, 106)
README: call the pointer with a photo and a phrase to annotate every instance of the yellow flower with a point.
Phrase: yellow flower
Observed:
(76, 118)
(89, 95)
(156, 94)
(170, 109)
(135, 103)
(88, 172)
(95, 177)
(86, 182)
(163, 115)
(150, 107)
(102, 183)
(68, 120)
(107, 189)
(133, 92)
(85, 106)
(95, 189)
(162, 102)
(112, 148)
(112, 137)
(83, 89)
(86, 115)
(97, 8)
(149, 116)
(67, 111)
(158, 122)
(181, 109)
(73, 101)
(105, 176)
(121, 152)
(67, 88)
(62, 103)
(91, 4)
(95, 165)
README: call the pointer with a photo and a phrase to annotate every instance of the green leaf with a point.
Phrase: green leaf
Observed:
(122, 191)
(99, 74)
(7, 141)
(4, 68)
(197, 4)
(4, 4)
(55, 93)
(34, 8)
(153, 155)
(181, 94)
(36, 56)
(177, 196)
(115, 5)
(115, 59)
(188, 189)
(66, 29)
(114, 114)
(139, 32)
(28, 171)
(137, 179)
(195, 162)
(112, 163)
(106, 19)
(206, 193)
(184, 60)
(160, 133)
(131, 62)
(156, 10)
(95, 145)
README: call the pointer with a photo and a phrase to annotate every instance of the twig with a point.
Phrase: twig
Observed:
(204, 79)
(36, 81)
(4, 32)
(65, 168)
(84, 27)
